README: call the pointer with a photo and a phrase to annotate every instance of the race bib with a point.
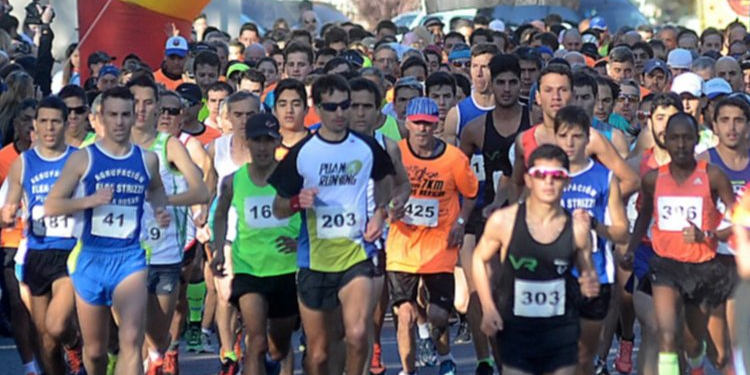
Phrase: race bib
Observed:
(114, 221)
(496, 175)
(336, 222)
(631, 211)
(54, 226)
(422, 212)
(477, 164)
(676, 212)
(259, 213)
(539, 299)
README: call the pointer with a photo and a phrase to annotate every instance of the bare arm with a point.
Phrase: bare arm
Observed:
(490, 244)
(202, 159)
(469, 135)
(59, 201)
(197, 192)
(451, 126)
(617, 230)
(645, 212)
(156, 196)
(515, 188)
(401, 185)
(15, 193)
(722, 188)
(620, 143)
(281, 207)
(221, 214)
(607, 155)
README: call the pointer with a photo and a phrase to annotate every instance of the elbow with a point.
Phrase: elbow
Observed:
(203, 195)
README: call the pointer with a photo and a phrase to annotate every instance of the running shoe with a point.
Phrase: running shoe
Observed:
(171, 363)
(111, 363)
(272, 367)
(426, 353)
(484, 368)
(463, 335)
(238, 346)
(207, 345)
(624, 360)
(193, 338)
(154, 367)
(447, 367)
(229, 367)
(600, 367)
(74, 360)
(376, 364)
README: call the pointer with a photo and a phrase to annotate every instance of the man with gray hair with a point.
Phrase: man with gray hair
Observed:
(571, 40)
(728, 68)
(704, 67)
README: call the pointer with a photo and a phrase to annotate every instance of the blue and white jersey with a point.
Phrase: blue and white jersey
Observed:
(467, 110)
(38, 175)
(589, 189)
(117, 225)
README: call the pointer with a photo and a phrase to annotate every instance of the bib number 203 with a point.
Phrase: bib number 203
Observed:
(339, 220)
(335, 222)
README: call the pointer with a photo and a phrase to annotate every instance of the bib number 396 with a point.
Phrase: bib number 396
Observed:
(336, 222)
(539, 299)
(114, 221)
(676, 212)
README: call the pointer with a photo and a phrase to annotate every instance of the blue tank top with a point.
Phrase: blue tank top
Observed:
(39, 174)
(589, 190)
(116, 225)
(602, 127)
(738, 178)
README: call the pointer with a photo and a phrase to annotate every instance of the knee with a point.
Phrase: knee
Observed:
(666, 340)
(407, 315)
(130, 339)
(437, 316)
(55, 326)
(258, 344)
(317, 358)
(95, 350)
(356, 337)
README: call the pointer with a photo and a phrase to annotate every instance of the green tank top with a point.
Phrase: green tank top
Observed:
(390, 129)
(254, 250)
(89, 139)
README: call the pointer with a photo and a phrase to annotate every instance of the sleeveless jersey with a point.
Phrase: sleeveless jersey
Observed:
(254, 251)
(676, 204)
(602, 127)
(165, 244)
(116, 225)
(536, 284)
(39, 174)
(418, 243)
(588, 189)
(528, 142)
(738, 178)
(496, 151)
(224, 166)
(468, 110)
(390, 128)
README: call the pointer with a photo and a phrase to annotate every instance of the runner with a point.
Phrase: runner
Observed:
(109, 272)
(290, 107)
(184, 186)
(732, 156)
(441, 87)
(536, 322)
(364, 119)
(422, 246)
(593, 189)
(493, 135)
(78, 133)
(684, 269)
(191, 125)
(215, 94)
(326, 176)
(263, 263)
(49, 240)
(554, 90)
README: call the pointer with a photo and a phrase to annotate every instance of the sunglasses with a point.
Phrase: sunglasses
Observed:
(628, 98)
(541, 173)
(459, 64)
(331, 107)
(170, 111)
(78, 110)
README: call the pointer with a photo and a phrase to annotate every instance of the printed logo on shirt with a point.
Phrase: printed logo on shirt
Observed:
(337, 174)
(425, 183)
(523, 262)
(562, 265)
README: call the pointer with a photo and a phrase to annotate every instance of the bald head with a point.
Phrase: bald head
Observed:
(255, 52)
(572, 40)
(729, 69)
(575, 59)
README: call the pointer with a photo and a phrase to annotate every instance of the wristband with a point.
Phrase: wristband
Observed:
(294, 204)
(594, 222)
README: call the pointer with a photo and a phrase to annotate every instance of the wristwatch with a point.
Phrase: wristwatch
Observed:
(461, 221)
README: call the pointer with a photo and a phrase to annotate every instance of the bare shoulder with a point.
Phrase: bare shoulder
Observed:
(501, 220)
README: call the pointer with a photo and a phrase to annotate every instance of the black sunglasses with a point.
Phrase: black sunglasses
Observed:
(331, 107)
(78, 110)
(170, 111)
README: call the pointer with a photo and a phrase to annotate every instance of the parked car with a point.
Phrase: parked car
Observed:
(266, 12)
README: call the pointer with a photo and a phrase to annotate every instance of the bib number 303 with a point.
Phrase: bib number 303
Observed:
(336, 222)
(539, 299)
(114, 221)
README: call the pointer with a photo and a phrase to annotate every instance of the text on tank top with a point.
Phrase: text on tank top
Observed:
(739, 179)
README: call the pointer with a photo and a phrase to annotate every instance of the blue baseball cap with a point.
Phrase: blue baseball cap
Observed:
(109, 69)
(715, 87)
(459, 54)
(654, 64)
(176, 45)
(424, 109)
(598, 23)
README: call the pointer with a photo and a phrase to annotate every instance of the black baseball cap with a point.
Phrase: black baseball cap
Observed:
(190, 92)
(262, 124)
(99, 57)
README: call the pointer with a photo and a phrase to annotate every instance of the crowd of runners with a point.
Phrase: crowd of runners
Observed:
(547, 188)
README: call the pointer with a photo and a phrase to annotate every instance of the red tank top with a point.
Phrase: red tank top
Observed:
(676, 204)
(648, 163)
(528, 142)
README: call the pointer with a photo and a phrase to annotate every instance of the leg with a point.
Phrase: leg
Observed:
(718, 345)
(356, 312)
(587, 345)
(209, 308)
(568, 370)
(461, 302)
(474, 309)
(254, 311)
(226, 316)
(317, 333)
(407, 317)
(438, 318)
(49, 348)
(129, 303)
(19, 317)
(159, 314)
(95, 335)
(280, 337)
(666, 302)
(696, 320)
(648, 354)
(60, 311)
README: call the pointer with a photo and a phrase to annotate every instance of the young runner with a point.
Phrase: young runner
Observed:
(78, 133)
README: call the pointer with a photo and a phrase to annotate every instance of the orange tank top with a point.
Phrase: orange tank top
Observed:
(676, 204)
(11, 236)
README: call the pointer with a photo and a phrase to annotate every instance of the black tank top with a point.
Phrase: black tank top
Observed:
(495, 150)
(536, 284)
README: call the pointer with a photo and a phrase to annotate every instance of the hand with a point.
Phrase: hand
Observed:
(375, 226)
(162, 217)
(9, 213)
(171, 30)
(589, 282)
(203, 234)
(581, 224)
(456, 235)
(396, 209)
(200, 218)
(217, 264)
(101, 197)
(286, 245)
(491, 322)
(692, 234)
(48, 15)
(307, 197)
(625, 260)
